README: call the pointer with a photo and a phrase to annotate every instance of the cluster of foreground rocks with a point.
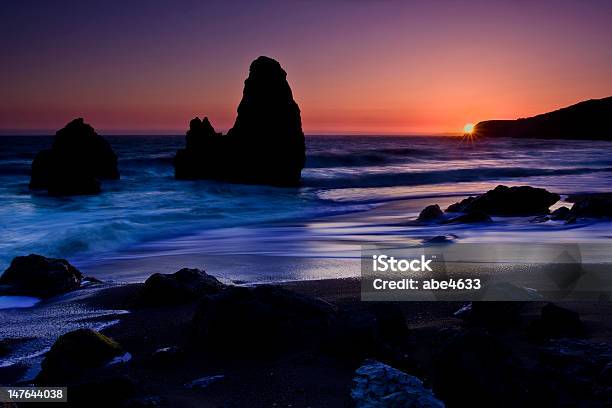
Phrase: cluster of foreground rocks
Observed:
(519, 201)
(493, 355)
(265, 145)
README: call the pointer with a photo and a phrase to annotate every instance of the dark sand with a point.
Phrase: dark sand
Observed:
(301, 378)
(305, 378)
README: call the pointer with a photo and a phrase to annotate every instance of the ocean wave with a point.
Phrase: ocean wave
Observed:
(368, 158)
(442, 176)
(343, 175)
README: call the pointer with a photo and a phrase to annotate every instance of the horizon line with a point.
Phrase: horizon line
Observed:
(139, 132)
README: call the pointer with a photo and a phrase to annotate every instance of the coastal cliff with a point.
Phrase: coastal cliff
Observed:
(588, 120)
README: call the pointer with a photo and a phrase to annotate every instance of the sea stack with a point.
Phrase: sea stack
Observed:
(266, 143)
(587, 120)
(78, 159)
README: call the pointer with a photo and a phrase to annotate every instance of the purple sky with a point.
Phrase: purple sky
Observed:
(354, 66)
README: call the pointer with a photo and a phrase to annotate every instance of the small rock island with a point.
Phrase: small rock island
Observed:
(587, 120)
(266, 143)
(78, 159)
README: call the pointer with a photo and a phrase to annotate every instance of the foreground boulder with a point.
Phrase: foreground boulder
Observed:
(377, 385)
(555, 322)
(477, 361)
(254, 321)
(38, 276)
(75, 352)
(78, 159)
(266, 143)
(180, 287)
(508, 201)
(370, 332)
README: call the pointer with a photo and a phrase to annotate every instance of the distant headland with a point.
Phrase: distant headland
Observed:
(588, 120)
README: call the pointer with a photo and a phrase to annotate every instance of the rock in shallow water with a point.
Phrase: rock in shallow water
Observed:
(508, 201)
(377, 385)
(266, 144)
(431, 212)
(78, 159)
(36, 275)
(560, 213)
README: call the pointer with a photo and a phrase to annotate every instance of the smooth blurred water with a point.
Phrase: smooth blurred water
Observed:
(148, 221)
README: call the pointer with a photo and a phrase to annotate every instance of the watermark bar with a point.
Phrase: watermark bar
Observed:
(486, 272)
(33, 394)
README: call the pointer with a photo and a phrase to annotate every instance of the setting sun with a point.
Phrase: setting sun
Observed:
(468, 128)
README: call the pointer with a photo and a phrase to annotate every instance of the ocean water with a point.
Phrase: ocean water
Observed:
(355, 190)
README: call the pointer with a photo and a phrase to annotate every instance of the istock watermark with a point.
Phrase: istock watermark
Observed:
(489, 272)
(384, 263)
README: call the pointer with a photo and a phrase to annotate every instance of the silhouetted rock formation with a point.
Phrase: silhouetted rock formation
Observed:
(585, 120)
(266, 144)
(508, 201)
(76, 162)
(36, 275)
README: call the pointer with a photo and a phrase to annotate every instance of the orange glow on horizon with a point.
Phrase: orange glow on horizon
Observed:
(353, 67)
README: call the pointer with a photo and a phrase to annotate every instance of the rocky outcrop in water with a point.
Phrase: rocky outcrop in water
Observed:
(430, 213)
(36, 275)
(78, 159)
(508, 201)
(585, 120)
(266, 143)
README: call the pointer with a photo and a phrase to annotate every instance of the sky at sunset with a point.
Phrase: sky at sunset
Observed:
(382, 67)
